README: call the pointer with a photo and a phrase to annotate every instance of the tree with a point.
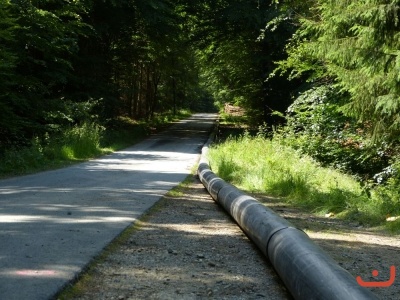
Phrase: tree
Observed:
(10, 123)
(236, 61)
(70, 60)
(354, 44)
(46, 40)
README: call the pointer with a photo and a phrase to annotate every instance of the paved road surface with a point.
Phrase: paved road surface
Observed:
(53, 223)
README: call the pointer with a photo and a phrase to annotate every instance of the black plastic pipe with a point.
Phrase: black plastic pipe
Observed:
(306, 270)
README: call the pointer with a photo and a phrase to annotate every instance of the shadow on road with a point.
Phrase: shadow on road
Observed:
(187, 247)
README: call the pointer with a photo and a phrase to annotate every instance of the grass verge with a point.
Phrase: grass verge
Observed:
(79, 143)
(257, 164)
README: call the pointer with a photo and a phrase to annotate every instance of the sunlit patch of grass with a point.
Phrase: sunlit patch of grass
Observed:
(179, 190)
(78, 143)
(175, 192)
(258, 164)
(393, 226)
(236, 120)
(67, 152)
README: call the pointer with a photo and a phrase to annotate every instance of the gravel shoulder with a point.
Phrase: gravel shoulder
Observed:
(187, 247)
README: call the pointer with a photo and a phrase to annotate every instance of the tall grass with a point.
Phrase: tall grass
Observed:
(257, 164)
(168, 117)
(15, 161)
(82, 141)
(73, 143)
(79, 142)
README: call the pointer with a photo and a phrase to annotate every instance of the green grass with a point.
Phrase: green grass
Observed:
(257, 164)
(178, 191)
(75, 144)
(169, 116)
(79, 143)
(226, 118)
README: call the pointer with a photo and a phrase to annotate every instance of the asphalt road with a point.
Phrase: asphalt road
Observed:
(53, 223)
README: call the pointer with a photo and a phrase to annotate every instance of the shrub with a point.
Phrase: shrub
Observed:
(18, 160)
(316, 126)
(82, 141)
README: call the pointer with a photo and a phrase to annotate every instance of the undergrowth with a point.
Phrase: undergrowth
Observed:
(77, 143)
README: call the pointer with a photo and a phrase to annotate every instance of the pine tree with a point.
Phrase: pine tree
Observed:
(356, 45)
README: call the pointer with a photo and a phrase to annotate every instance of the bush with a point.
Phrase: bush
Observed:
(19, 160)
(77, 142)
(387, 195)
(316, 126)
(82, 141)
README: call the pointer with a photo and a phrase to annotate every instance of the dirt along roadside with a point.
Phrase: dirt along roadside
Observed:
(357, 249)
(187, 247)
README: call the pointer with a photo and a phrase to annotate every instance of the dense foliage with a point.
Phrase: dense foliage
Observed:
(328, 69)
(65, 63)
(348, 114)
(316, 126)
(348, 53)
(237, 59)
(354, 44)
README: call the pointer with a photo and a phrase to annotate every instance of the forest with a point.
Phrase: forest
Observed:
(321, 74)
(64, 62)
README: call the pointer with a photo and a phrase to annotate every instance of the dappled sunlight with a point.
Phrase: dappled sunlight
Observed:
(67, 216)
(139, 161)
(57, 220)
(47, 272)
(9, 190)
(364, 238)
(189, 253)
(194, 229)
(35, 273)
(180, 275)
(187, 246)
